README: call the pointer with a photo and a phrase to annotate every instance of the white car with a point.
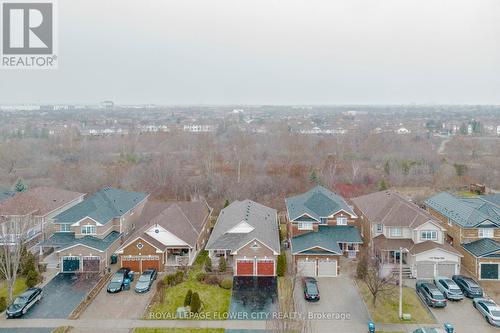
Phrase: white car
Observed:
(449, 288)
(489, 309)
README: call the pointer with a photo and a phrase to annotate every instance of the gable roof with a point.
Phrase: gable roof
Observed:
(263, 219)
(484, 247)
(466, 212)
(430, 245)
(65, 240)
(39, 201)
(103, 206)
(183, 219)
(392, 209)
(317, 203)
(327, 237)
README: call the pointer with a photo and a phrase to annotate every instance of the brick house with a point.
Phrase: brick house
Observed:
(171, 234)
(85, 236)
(473, 228)
(322, 227)
(246, 234)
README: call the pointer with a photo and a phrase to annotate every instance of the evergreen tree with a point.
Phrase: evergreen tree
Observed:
(222, 265)
(314, 178)
(226, 203)
(20, 186)
(208, 264)
(382, 185)
(195, 303)
(187, 299)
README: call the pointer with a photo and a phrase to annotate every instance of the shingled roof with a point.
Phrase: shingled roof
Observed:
(327, 237)
(39, 201)
(64, 240)
(317, 203)
(184, 219)
(484, 247)
(261, 221)
(103, 206)
(392, 209)
(467, 212)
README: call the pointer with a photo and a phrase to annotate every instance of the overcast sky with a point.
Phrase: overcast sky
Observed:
(269, 52)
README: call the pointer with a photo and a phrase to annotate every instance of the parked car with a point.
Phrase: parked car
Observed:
(469, 286)
(449, 288)
(145, 281)
(311, 290)
(24, 302)
(430, 294)
(118, 280)
(489, 309)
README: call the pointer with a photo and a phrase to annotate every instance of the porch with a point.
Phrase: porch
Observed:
(349, 250)
(179, 256)
(215, 256)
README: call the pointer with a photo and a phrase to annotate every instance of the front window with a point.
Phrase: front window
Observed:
(428, 235)
(395, 232)
(380, 228)
(486, 233)
(342, 220)
(305, 226)
(65, 228)
(89, 230)
(323, 220)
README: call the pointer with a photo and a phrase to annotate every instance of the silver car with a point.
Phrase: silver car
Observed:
(449, 288)
(489, 309)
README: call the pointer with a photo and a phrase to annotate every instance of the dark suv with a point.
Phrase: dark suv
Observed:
(469, 286)
(311, 291)
(118, 280)
(430, 294)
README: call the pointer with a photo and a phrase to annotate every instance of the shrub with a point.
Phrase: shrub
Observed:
(32, 278)
(3, 304)
(179, 277)
(208, 264)
(222, 264)
(226, 283)
(212, 279)
(195, 303)
(281, 265)
(187, 299)
(174, 279)
(201, 276)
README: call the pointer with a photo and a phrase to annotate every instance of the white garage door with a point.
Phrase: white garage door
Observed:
(425, 270)
(306, 267)
(327, 267)
(446, 269)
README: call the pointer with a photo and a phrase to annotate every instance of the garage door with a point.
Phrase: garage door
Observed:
(489, 271)
(327, 267)
(244, 267)
(306, 268)
(265, 267)
(446, 269)
(91, 264)
(134, 265)
(71, 264)
(150, 263)
(425, 270)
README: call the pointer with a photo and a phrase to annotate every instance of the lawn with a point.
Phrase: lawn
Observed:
(387, 307)
(19, 287)
(179, 330)
(215, 300)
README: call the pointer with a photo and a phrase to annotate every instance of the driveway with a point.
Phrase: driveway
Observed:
(61, 296)
(464, 317)
(340, 309)
(126, 304)
(253, 298)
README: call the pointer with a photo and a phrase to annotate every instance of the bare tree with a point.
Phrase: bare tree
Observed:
(355, 166)
(376, 282)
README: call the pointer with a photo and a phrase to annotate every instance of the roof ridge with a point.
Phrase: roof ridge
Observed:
(182, 212)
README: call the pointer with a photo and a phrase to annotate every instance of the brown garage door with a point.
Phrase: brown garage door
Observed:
(134, 265)
(265, 267)
(91, 264)
(150, 263)
(244, 267)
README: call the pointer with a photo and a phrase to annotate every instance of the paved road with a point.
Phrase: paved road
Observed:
(341, 301)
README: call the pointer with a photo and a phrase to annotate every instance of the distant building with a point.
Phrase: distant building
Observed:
(197, 128)
(107, 104)
(403, 130)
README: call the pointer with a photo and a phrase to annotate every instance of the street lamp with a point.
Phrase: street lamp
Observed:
(401, 250)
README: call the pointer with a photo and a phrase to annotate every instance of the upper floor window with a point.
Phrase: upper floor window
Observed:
(486, 233)
(305, 226)
(395, 232)
(428, 235)
(65, 228)
(323, 220)
(379, 228)
(342, 220)
(89, 230)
